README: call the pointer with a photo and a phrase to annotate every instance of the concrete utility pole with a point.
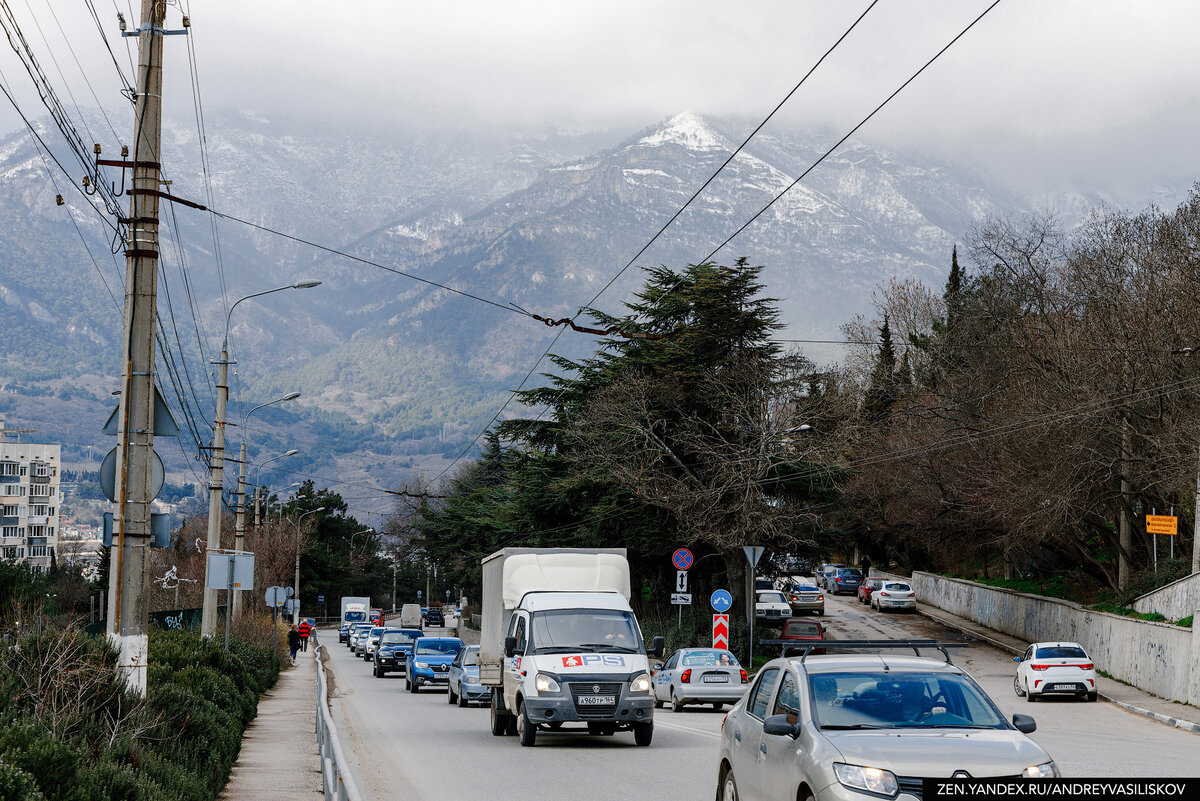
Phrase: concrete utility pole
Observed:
(1196, 530)
(129, 597)
(299, 539)
(1124, 529)
(216, 481)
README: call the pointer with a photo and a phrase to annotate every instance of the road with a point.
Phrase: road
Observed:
(420, 748)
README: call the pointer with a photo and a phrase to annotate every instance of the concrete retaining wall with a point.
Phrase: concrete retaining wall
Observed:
(1174, 601)
(1159, 658)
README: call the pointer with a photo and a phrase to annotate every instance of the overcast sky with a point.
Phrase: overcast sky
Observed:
(1077, 87)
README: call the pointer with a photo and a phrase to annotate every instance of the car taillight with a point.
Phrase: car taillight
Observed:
(745, 677)
(884, 594)
(1086, 666)
(1039, 667)
(686, 676)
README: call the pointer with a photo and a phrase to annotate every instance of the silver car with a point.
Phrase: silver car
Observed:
(358, 640)
(699, 676)
(357, 631)
(848, 727)
(371, 642)
(464, 678)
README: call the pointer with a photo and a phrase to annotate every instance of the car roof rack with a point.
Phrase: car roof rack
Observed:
(915, 644)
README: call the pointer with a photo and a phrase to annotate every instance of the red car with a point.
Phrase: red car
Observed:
(800, 629)
(866, 588)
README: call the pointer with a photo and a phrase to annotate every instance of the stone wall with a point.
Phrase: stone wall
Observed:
(1174, 601)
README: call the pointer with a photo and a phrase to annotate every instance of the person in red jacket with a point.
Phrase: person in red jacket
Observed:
(304, 630)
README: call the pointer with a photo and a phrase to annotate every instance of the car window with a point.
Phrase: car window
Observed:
(671, 662)
(470, 657)
(898, 587)
(711, 658)
(771, 598)
(887, 700)
(802, 628)
(520, 635)
(1061, 652)
(787, 702)
(438, 647)
(398, 638)
(458, 660)
(757, 705)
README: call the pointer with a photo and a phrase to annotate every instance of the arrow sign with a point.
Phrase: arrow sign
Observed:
(681, 581)
(721, 631)
(721, 600)
(682, 559)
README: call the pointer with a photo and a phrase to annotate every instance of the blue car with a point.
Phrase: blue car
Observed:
(394, 647)
(430, 662)
(464, 678)
(846, 580)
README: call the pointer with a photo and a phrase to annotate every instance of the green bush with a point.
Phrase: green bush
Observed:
(1148, 579)
(17, 785)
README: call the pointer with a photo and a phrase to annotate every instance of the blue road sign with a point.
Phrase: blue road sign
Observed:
(321, 600)
(682, 559)
(721, 600)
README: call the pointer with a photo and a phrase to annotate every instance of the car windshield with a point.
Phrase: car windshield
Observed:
(399, 637)
(471, 657)
(897, 587)
(375, 632)
(439, 647)
(715, 657)
(356, 617)
(585, 630)
(850, 574)
(900, 700)
(1061, 652)
(771, 598)
(802, 628)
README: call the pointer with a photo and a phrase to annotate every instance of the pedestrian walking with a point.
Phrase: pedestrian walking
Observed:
(304, 630)
(293, 642)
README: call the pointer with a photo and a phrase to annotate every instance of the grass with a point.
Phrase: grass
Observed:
(1117, 609)
(1186, 622)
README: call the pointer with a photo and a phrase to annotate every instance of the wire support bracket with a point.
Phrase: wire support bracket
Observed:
(148, 253)
(155, 30)
(165, 196)
(600, 332)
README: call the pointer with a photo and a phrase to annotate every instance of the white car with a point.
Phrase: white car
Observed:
(894, 595)
(699, 676)
(1055, 668)
(772, 605)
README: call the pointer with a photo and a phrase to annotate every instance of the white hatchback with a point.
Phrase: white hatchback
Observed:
(894, 595)
(1055, 668)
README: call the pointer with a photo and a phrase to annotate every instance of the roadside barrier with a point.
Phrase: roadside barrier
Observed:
(335, 770)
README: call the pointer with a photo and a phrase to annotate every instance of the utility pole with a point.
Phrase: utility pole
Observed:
(257, 495)
(1124, 530)
(208, 618)
(239, 530)
(129, 597)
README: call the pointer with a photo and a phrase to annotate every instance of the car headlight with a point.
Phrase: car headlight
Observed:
(873, 780)
(641, 684)
(1046, 770)
(545, 684)
(421, 665)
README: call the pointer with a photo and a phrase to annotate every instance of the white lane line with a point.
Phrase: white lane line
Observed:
(714, 735)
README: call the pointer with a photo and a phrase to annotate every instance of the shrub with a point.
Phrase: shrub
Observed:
(17, 785)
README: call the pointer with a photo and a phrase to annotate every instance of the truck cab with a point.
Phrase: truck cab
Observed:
(554, 656)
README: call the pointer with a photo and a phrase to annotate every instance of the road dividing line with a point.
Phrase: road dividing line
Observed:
(659, 722)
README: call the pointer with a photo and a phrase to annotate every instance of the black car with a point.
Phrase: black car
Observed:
(434, 617)
(395, 645)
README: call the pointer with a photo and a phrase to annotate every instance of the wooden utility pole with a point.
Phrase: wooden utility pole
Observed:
(128, 601)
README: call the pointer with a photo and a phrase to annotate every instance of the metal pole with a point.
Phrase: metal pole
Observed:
(208, 619)
(393, 584)
(239, 529)
(1154, 511)
(128, 581)
(228, 601)
(257, 518)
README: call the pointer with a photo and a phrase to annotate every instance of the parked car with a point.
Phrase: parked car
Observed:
(894, 595)
(1055, 668)
(770, 606)
(860, 726)
(394, 647)
(434, 617)
(699, 676)
(463, 678)
(798, 628)
(867, 587)
(804, 597)
(430, 662)
(845, 580)
(825, 571)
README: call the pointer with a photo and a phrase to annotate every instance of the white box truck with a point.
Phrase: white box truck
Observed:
(559, 644)
(354, 610)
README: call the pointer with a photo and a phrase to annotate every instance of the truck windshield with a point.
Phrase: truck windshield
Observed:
(356, 617)
(560, 631)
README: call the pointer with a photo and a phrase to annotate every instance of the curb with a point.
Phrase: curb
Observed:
(1186, 725)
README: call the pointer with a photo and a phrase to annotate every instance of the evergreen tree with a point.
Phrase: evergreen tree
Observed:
(882, 390)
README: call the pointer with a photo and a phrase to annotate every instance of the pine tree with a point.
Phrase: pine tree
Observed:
(882, 390)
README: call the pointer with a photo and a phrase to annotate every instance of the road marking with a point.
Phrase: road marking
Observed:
(688, 729)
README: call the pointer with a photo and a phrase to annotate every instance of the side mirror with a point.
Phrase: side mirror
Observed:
(510, 646)
(1024, 724)
(1016, 659)
(657, 666)
(779, 725)
(659, 646)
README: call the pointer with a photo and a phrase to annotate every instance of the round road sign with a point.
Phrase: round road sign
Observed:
(682, 559)
(721, 600)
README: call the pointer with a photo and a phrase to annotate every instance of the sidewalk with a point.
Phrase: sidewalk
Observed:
(1130, 698)
(279, 757)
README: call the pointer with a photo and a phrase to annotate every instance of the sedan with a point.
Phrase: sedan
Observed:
(772, 607)
(356, 631)
(1055, 668)
(803, 597)
(894, 595)
(866, 588)
(463, 679)
(846, 580)
(699, 676)
(430, 662)
(861, 726)
(370, 642)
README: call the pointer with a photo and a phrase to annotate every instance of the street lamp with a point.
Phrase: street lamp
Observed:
(240, 526)
(296, 611)
(293, 485)
(258, 493)
(208, 618)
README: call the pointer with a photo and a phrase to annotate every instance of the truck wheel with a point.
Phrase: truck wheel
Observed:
(499, 720)
(526, 729)
(643, 733)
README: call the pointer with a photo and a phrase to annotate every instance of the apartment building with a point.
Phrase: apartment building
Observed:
(29, 502)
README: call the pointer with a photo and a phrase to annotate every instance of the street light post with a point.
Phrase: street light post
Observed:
(240, 527)
(258, 494)
(208, 617)
(296, 585)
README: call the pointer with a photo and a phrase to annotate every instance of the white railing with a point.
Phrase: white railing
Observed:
(335, 770)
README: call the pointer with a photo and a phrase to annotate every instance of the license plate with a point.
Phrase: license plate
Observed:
(721, 679)
(596, 700)
(1062, 686)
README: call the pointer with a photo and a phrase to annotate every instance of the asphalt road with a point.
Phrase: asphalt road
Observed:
(420, 748)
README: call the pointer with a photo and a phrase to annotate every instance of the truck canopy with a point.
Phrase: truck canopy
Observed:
(561, 571)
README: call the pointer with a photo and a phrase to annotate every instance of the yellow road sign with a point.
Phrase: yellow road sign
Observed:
(1162, 524)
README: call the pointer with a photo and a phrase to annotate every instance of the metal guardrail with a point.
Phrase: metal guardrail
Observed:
(335, 769)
